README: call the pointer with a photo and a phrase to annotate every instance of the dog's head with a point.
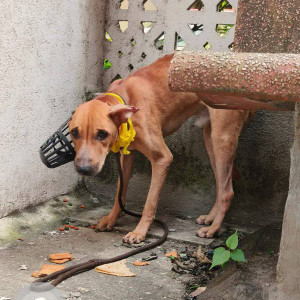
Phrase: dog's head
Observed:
(94, 129)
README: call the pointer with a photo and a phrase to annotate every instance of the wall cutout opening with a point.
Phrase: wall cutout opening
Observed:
(147, 26)
(222, 29)
(196, 28)
(133, 42)
(123, 25)
(225, 6)
(124, 4)
(107, 37)
(106, 64)
(179, 43)
(130, 67)
(118, 76)
(159, 41)
(148, 5)
(231, 47)
(196, 5)
(207, 46)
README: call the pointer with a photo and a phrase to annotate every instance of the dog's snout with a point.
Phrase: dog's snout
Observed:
(85, 170)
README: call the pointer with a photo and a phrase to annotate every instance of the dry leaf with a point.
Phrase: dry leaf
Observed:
(61, 256)
(198, 291)
(60, 261)
(47, 270)
(141, 263)
(118, 268)
(172, 253)
(201, 257)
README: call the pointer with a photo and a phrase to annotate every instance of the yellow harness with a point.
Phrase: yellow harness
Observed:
(126, 132)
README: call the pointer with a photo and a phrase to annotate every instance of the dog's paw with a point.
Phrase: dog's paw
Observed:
(208, 232)
(205, 220)
(106, 223)
(134, 237)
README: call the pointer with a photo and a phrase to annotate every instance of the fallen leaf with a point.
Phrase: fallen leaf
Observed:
(47, 270)
(198, 291)
(141, 263)
(60, 261)
(172, 253)
(118, 268)
(201, 257)
(56, 256)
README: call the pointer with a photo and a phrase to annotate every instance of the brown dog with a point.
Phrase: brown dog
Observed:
(94, 129)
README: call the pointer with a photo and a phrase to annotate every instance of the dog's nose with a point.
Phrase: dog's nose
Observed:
(85, 170)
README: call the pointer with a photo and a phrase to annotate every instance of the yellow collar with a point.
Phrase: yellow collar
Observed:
(126, 132)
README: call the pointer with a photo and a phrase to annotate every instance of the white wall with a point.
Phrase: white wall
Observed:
(50, 55)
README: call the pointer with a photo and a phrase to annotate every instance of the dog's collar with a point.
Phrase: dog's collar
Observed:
(126, 132)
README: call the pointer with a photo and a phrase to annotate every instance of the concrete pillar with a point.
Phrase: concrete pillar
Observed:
(289, 258)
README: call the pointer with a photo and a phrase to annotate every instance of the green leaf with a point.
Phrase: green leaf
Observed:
(233, 241)
(238, 255)
(221, 255)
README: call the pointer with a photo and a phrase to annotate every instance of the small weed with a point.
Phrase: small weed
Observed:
(222, 255)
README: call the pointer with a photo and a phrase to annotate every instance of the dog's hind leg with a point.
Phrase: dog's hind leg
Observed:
(226, 127)
(208, 219)
(107, 222)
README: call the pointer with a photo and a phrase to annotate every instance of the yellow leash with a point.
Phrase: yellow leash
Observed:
(126, 132)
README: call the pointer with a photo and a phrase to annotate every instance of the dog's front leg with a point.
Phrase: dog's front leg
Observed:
(107, 222)
(160, 163)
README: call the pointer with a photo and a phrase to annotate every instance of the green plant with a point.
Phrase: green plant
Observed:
(222, 255)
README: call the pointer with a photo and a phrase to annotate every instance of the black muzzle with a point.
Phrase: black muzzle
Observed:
(58, 149)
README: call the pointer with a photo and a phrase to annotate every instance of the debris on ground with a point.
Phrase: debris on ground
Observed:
(198, 291)
(173, 254)
(47, 270)
(20, 239)
(152, 256)
(83, 290)
(23, 267)
(118, 268)
(201, 256)
(60, 258)
(141, 263)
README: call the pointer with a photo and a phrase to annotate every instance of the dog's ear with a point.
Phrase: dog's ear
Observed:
(121, 113)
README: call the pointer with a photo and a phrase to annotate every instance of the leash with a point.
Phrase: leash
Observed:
(64, 274)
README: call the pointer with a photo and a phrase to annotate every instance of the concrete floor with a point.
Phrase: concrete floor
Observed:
(38, 228)
(155, 281)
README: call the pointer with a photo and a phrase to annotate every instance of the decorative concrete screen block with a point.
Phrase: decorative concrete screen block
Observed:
(139, 32)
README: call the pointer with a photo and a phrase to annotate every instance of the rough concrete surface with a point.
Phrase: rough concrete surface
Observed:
(289, 259)
(155, 281)
(38, 229)
(50, 54)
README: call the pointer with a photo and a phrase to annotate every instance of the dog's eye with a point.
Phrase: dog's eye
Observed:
(75, 133)
(102, 135)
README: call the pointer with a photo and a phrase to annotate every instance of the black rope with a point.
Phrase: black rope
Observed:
(64, 274)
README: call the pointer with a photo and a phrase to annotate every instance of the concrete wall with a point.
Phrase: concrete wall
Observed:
(289, 259)
(50, 55)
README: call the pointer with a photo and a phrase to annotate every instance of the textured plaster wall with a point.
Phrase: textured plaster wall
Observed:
(50, 55)
(289, 259)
